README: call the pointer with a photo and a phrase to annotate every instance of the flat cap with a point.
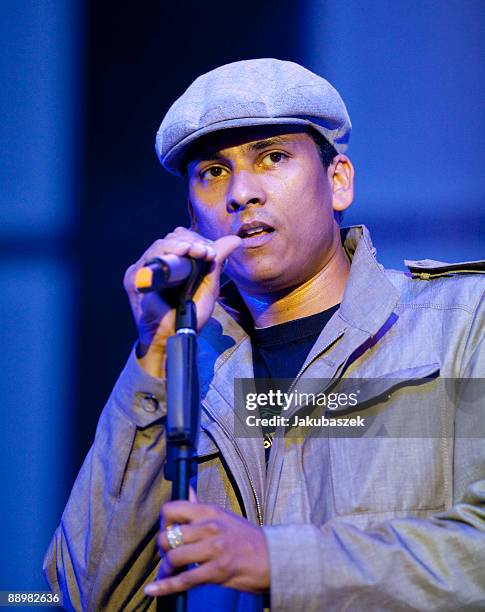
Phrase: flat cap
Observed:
(251, 93)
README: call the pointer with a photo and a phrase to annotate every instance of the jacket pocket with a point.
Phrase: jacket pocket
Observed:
(401, 462)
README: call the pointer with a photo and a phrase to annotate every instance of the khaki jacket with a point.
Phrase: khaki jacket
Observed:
(391, 519)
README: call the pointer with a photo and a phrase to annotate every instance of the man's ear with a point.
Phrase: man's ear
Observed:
(193, 220)
(341, 176)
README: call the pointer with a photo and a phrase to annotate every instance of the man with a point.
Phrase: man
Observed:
(384, 521)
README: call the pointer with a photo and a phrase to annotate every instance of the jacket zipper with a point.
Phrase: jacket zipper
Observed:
(248, 473)
(290, 389)
(304, 367)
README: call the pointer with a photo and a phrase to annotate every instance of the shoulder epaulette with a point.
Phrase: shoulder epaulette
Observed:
(427, 269)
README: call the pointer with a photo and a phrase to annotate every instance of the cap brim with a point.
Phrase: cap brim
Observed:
(174, 159)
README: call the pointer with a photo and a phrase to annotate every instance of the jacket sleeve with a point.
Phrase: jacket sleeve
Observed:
(411, 563)
(104, 549)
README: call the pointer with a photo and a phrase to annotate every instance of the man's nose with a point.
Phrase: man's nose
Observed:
(244, 189)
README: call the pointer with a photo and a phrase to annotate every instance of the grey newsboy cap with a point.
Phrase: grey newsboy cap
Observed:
(250, 93)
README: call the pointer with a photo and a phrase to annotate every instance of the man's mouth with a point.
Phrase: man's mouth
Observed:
(253, 229)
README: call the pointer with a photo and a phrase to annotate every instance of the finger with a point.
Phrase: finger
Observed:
(192, 532)
(192, 496)
(200, 552)
(176, 246)
(202, 250)
(129, 279)
(181, 511)
(179, 231)
(167, 246)
(225, 246)
(207, 573)
(182, 233)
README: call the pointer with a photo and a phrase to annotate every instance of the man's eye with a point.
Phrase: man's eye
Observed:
(273, 158)
(212, 173)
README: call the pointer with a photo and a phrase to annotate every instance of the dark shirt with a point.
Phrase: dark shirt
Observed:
(279, 352)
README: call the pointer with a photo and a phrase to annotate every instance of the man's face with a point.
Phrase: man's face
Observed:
(268, 186)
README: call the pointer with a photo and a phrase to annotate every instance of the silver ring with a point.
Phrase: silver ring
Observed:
(174, 536)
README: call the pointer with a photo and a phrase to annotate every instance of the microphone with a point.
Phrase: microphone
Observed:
(164, 272)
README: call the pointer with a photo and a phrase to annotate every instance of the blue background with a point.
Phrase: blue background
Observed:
(84, 87)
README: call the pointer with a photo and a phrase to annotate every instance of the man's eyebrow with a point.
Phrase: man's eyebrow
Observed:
(268, 142)
(259, 145)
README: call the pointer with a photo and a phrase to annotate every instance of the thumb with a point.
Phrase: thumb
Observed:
(225, 246)
(192, 496)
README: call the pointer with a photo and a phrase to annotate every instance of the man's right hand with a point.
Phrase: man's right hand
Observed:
(154, 318)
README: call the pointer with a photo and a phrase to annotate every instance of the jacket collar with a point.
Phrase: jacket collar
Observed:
(366, 312)
(369, 296)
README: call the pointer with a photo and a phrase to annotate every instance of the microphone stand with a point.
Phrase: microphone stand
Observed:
(183, 401)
